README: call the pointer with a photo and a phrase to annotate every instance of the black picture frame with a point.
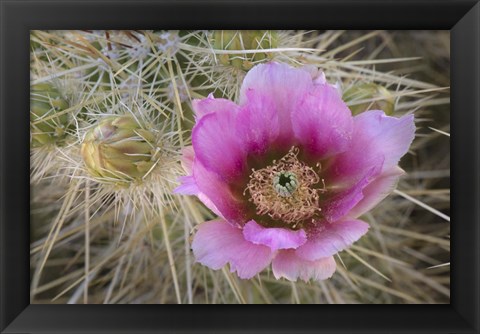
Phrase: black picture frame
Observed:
(461, 17)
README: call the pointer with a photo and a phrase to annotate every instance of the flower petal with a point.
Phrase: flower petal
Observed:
(316, 74)
(379, 142)
(322, 123)
(216, 195)
(376, 191)
(188, 156)
(257, 123)
(187, 186)
(334, 238)
(287, 264)
(202, 107)
(341, 203)
(392, 135)
(209, 204)
(275, 238)
(375, 135)
(217, 146)
(284, 85)
(217, 243)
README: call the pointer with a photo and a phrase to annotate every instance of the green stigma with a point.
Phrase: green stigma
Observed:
(285, 183)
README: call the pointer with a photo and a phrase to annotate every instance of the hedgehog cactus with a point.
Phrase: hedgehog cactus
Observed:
(118, 149)
(123, 118)
(235, 40)
(48, 119)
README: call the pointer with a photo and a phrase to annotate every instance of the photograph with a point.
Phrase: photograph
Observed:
(240, 166)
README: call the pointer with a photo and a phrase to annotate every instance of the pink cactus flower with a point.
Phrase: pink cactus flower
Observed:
(288, 171)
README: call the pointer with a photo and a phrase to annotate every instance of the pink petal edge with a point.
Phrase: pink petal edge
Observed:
(217, 243)
(282, 84)
(275, 238)
(334, 238)
(376, 191)
(322, 123)
(217, 146)
(203, 107)
(288, 265)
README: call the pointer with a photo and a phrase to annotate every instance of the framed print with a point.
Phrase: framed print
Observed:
(263, 153)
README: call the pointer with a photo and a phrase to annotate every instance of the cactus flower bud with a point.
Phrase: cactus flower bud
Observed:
(46, 126)
(118, 149)
(244, 40)
(365, 91)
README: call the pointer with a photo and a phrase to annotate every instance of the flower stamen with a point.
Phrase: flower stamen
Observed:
(285, 191)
